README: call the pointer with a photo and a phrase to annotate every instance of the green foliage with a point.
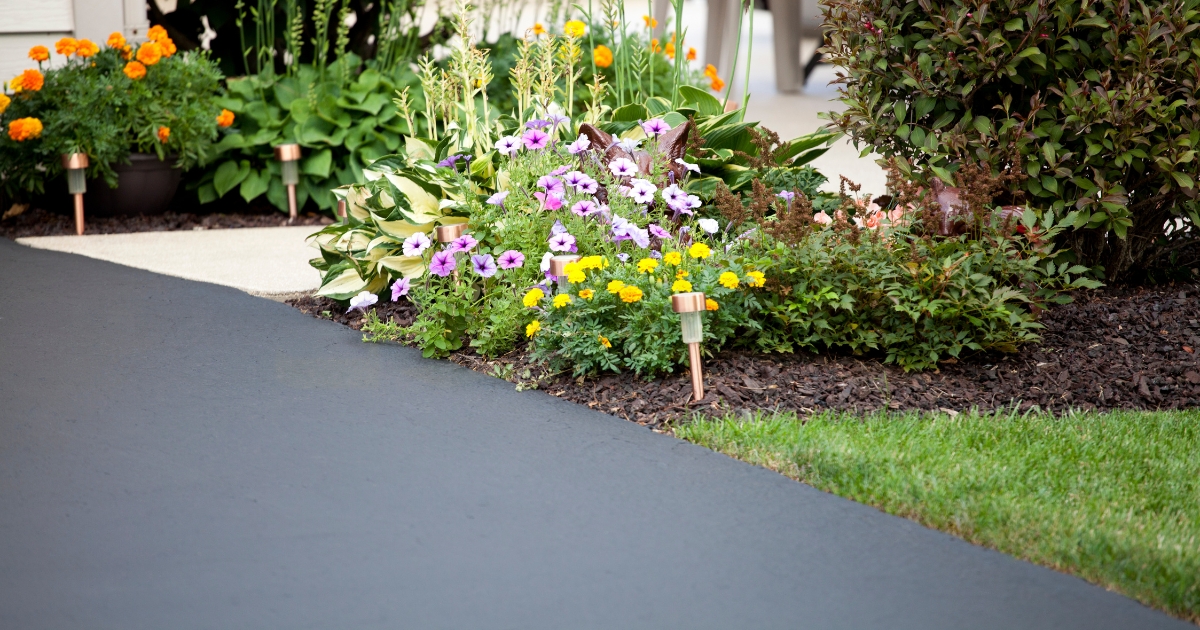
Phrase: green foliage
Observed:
(1113, 498)
(1089, 103)
(90, 106)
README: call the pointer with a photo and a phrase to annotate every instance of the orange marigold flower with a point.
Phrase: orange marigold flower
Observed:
(538, 29)
(670, 50)
(66, 46)
(116, 40)
(86, 48)
(711, 304)
(650, 22)
(225, 118)
(39, 53)
(4, 101)
(156, 33)
(168, 46)
(134, 70)
(654, 45)
(23, 129)
(149, 53)
(164, 134)
(127, 52)
(717, 84)
(710, 71)
(691, 56)
(603, 56)
(27, 81)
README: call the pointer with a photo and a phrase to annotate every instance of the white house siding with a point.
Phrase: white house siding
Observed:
(27, 23)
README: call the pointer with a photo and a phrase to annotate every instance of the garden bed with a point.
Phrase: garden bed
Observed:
(38, 222)
(1109, 349)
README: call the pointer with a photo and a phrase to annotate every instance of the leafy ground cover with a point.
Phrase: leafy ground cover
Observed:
(1113, 498)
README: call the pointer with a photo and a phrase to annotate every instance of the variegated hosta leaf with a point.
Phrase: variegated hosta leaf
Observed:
(347, 284)
(411, 267)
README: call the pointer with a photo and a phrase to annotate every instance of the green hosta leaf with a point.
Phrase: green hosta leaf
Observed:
(706, 103)
(657, 105)
(255, 184)
(317, 164)
(230, 174)
(630, 113)
(674, 119)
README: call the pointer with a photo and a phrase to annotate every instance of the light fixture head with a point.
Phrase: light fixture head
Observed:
(687, 302)
(558, 264)
(287, 152)
(74, 161)
(447, 233)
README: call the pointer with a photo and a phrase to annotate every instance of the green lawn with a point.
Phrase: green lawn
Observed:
(1113, 498)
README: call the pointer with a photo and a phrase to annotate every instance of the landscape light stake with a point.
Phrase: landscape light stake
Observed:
(74, 164)
(690, 307)
(448, 233)
(558, 268)
(289, 158)
(342, 210)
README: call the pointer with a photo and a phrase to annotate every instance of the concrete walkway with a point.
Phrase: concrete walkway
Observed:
(181, 455)
(260, 261)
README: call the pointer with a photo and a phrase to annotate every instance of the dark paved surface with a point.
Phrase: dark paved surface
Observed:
(181, 455)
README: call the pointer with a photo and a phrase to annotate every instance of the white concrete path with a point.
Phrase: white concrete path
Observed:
(262, 261)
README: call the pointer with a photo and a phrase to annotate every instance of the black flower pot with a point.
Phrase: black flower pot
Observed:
(144, 186)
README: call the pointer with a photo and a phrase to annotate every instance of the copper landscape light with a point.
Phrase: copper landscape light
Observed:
(289, 158)
(558, 269)
(74, 164)
(448, 233)
(690, 307)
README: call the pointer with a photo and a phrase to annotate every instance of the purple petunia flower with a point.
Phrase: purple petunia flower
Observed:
(658, 231)
(657, 255)
(581, 144)
(673, 194)
(450, 161)
(443, 264)
(584, 207)
(537, 124)
(560, 170)
(623, 167)
(535, 140)
(550, 201)
(508, 145)
(642, 191)
(550, 184)
(562, 242)
(655, 127)
(640, 237)
(512, 259)
(545, 267)
(416, 244)
(708, 225)
(557, 228)
(575, 178)
(362, 301)
(589, 186)
(464, 243)
(484, 265)
(498, 198)
(557, 119)
(787, 196)
(623, 257)
(400, 288)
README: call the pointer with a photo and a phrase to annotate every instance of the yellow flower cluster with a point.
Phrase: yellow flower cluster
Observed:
(647, 265)
(574, 28)
(630, 294)
(605, 342)
(699, 250)
(532, 298)
(615, 286)
(23, 129)
(729, 280)
(681, 286)
(673, 258)
(27, 81)
(4, 101)
(532, 328)
(757, 279)
(561, 300)
(587, 294)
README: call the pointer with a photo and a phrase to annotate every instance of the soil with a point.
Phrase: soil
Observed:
(39, 222)
(1109, 349)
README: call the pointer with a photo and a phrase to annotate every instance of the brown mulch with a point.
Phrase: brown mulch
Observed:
(1110, 349)
(39, 222)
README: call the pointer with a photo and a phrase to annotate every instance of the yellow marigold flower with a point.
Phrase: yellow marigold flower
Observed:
(681, 286)
(574, 28)
(65, 46)
(28, 81)
(134, 70)
(646, 265)
(681, 274)
(561, 300)
(23, 129)
(156, 33)
(116, 40)
(86, 48)
(149, 53)
(593, 262)
(757, 279)
(699, 250)
(538, 29)
(39, 53)
(630, 294)
(587, 294)
(673, 258)
(164, 134)
(603, 56)
(615, 286)
(691, 54)
(532, 298)
(650, 22)
(710, 304)
(729, 280)
(225, 118)
(605, 342)
(4, 101)
(575, 277)
(532, 328)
